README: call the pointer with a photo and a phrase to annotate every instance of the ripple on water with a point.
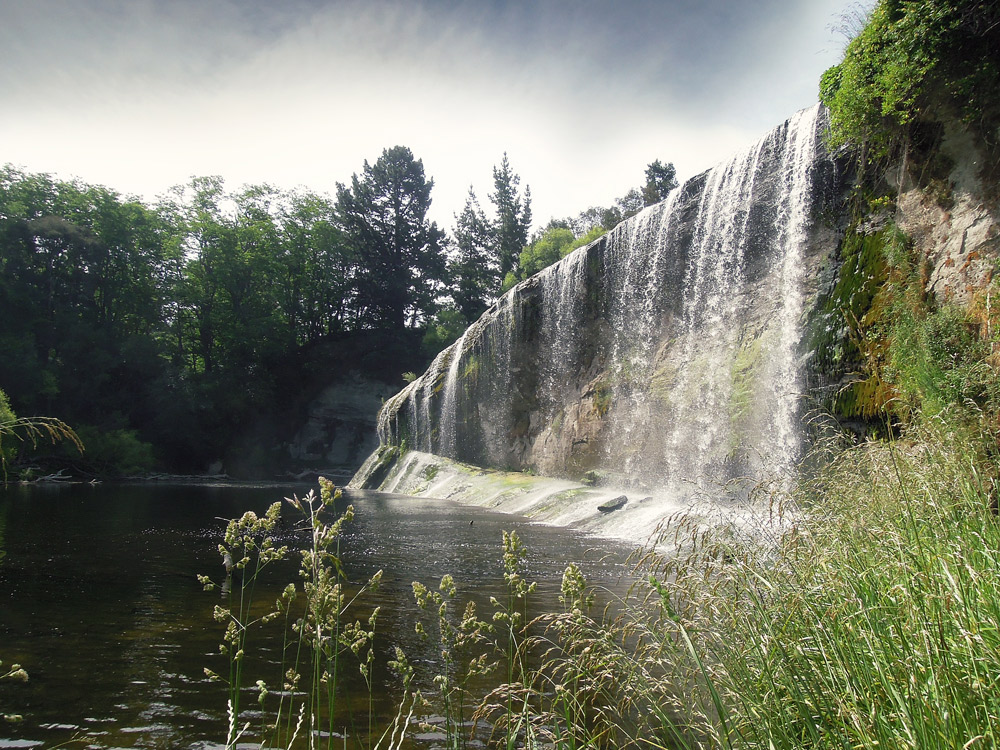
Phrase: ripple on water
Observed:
(132, 630)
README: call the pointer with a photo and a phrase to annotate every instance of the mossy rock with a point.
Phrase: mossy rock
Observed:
(594, 477)
(388, 454)
(614, 504)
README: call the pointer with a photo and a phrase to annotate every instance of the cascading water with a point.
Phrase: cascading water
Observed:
(563, 291)
(665, 354)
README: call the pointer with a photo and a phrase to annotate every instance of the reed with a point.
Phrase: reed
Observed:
(866, 615)
(872, 621)
(876, 622)
(319, 632)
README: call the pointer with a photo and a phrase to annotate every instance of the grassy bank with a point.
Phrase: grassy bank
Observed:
(875, 623)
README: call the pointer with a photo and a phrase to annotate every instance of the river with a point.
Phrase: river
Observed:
(99, 600)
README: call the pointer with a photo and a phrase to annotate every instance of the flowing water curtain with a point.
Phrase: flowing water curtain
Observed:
(735, 407)
(564, 291)
(450, 398)
(711, 299)
(687, 316)
(637, 262)
(492, 373)
(785, 376)
(461, 407)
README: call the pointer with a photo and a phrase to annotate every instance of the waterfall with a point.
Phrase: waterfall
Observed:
(666, 353)
(449, 413)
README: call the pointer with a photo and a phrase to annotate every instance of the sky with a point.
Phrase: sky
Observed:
(142, 95)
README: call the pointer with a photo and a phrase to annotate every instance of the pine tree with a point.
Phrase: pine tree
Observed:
(476, 270)
(401, 259)
(513, 217)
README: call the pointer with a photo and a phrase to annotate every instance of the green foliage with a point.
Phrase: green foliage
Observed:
(553, 244)
(562, 236)
(488, 246)
(916, 358)
(938, 362)
(183, 321)
(839, 338)
(26, 433)
(601, 394)
(460, 641)
(476, 270)
(510, 280)
(315, 619)
(544, 251)
(907, 54)
(907, 356)
(8, 449)
(586, 239)
(513, 216)
(402, 263)
(890, 585)
(445, 329)
(660, 180)
(115, 452)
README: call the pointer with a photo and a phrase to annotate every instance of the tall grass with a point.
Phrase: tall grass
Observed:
(873, 622)
(320, 636)
(877, 622)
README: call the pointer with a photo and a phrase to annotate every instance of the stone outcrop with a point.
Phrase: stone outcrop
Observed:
(950, 220)
(338, 430)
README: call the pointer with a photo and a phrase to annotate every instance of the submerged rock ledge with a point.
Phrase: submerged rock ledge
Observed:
(559, 502)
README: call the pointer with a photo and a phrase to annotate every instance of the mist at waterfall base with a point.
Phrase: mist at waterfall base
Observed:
(666, 357)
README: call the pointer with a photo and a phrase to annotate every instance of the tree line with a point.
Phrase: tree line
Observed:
(162, 330)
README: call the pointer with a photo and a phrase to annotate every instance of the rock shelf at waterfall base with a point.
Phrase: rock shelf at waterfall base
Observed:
(644, 519)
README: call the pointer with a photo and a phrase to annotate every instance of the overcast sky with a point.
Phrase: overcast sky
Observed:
(140, 95)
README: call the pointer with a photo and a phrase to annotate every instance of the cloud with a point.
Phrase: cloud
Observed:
(582, 94)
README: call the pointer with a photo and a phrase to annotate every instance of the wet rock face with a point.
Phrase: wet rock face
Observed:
(951, 223)
(339, 428)
(667, 351)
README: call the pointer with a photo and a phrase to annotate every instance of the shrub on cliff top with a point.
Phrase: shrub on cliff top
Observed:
(910, 53)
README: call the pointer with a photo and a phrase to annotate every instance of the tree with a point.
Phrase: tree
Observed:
(80, 293)
(549, 246)
(660, 180)
(909, 59)
(316, 270)
(204, 235)
(545, 250)
(513, 213)
(475, 271)
(400, 253)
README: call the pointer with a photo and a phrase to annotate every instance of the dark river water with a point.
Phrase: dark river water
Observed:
(99, 600)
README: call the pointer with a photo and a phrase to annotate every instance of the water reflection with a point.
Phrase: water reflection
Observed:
(102, 606)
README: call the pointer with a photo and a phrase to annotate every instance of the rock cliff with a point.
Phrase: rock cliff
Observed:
(665, 354)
